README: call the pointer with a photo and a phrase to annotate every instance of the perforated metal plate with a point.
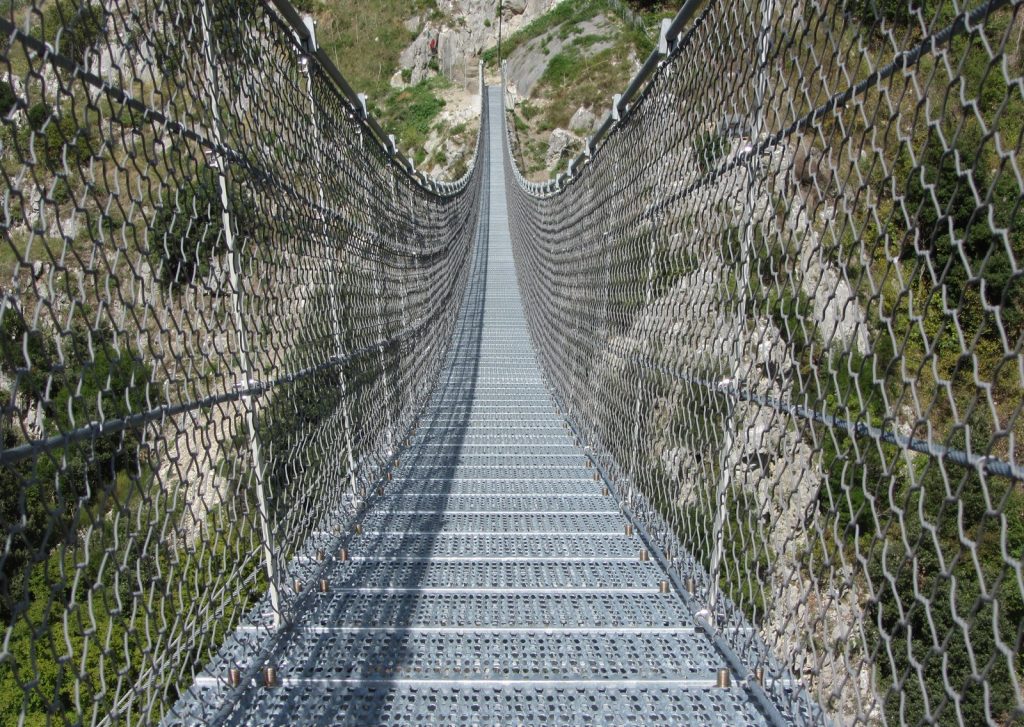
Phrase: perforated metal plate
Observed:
(432, 501)
(482, 655)
(407, 705)
(381, 521)
(494, 486)
(591, 610)
(469, 546)
(522, 575)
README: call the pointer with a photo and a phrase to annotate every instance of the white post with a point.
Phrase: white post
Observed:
(245, 362)
(746, 254)
(339, 340)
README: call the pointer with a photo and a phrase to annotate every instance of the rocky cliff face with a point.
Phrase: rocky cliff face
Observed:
(453, 45)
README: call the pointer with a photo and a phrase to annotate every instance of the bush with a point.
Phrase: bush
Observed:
(899, 12)
(412, 112)
(58, 133)
(186, 230)
(38, 115)
(972, 240)
(709, 148)
(8, 98)
(168, 53)
(93, 381)
(64, 136)
(73, 28)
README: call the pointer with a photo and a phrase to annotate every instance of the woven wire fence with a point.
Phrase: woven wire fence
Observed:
(224, 299)
(782, 301)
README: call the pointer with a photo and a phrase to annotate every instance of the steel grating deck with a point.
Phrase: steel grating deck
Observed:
(494, 581)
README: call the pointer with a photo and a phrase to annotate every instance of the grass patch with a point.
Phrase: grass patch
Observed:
(409, 113)
(366, 37)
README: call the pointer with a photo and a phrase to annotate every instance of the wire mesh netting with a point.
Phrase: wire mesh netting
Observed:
(782, 300)
(224, 299)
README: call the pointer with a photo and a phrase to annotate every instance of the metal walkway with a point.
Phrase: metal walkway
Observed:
(495, 581)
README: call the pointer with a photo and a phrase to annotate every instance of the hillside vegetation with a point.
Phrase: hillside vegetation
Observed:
(585, 51)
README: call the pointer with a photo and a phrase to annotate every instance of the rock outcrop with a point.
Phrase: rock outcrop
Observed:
(583, 121)
(560, 144)
(453, 45)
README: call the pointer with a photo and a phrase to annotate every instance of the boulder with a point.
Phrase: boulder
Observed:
(803, 161)
(560, 142)
(583, 121)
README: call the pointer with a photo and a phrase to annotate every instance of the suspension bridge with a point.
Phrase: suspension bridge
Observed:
(494, 577)
(719, 426)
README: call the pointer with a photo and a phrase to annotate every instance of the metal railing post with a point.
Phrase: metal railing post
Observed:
(382, 334)
(655, 204)
(245, 361)
(336, 327)
(743, 285)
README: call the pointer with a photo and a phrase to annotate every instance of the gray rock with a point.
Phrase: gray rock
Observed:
(583, 121)
(813, 168)
(527, 63)
(802, 164)
(560, 142)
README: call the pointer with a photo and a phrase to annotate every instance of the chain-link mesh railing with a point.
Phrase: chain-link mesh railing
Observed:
(782, 299)
(225, 300)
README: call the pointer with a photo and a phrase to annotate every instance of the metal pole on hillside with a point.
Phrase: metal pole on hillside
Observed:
(748, 242)
(499, 33)
(245, 363)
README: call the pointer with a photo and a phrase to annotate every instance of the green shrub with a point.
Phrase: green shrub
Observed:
(90, 381)
(900, 12)
(954, 231)
(8, 98)
(709, 148)
(411, 112)
(186, 229)
(73, 28)
(63, 136)
(562, 67)
(168, 53)
(38, 115)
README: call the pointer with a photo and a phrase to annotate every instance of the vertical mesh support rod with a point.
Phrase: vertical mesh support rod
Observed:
(267, 547)
(333, 271)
